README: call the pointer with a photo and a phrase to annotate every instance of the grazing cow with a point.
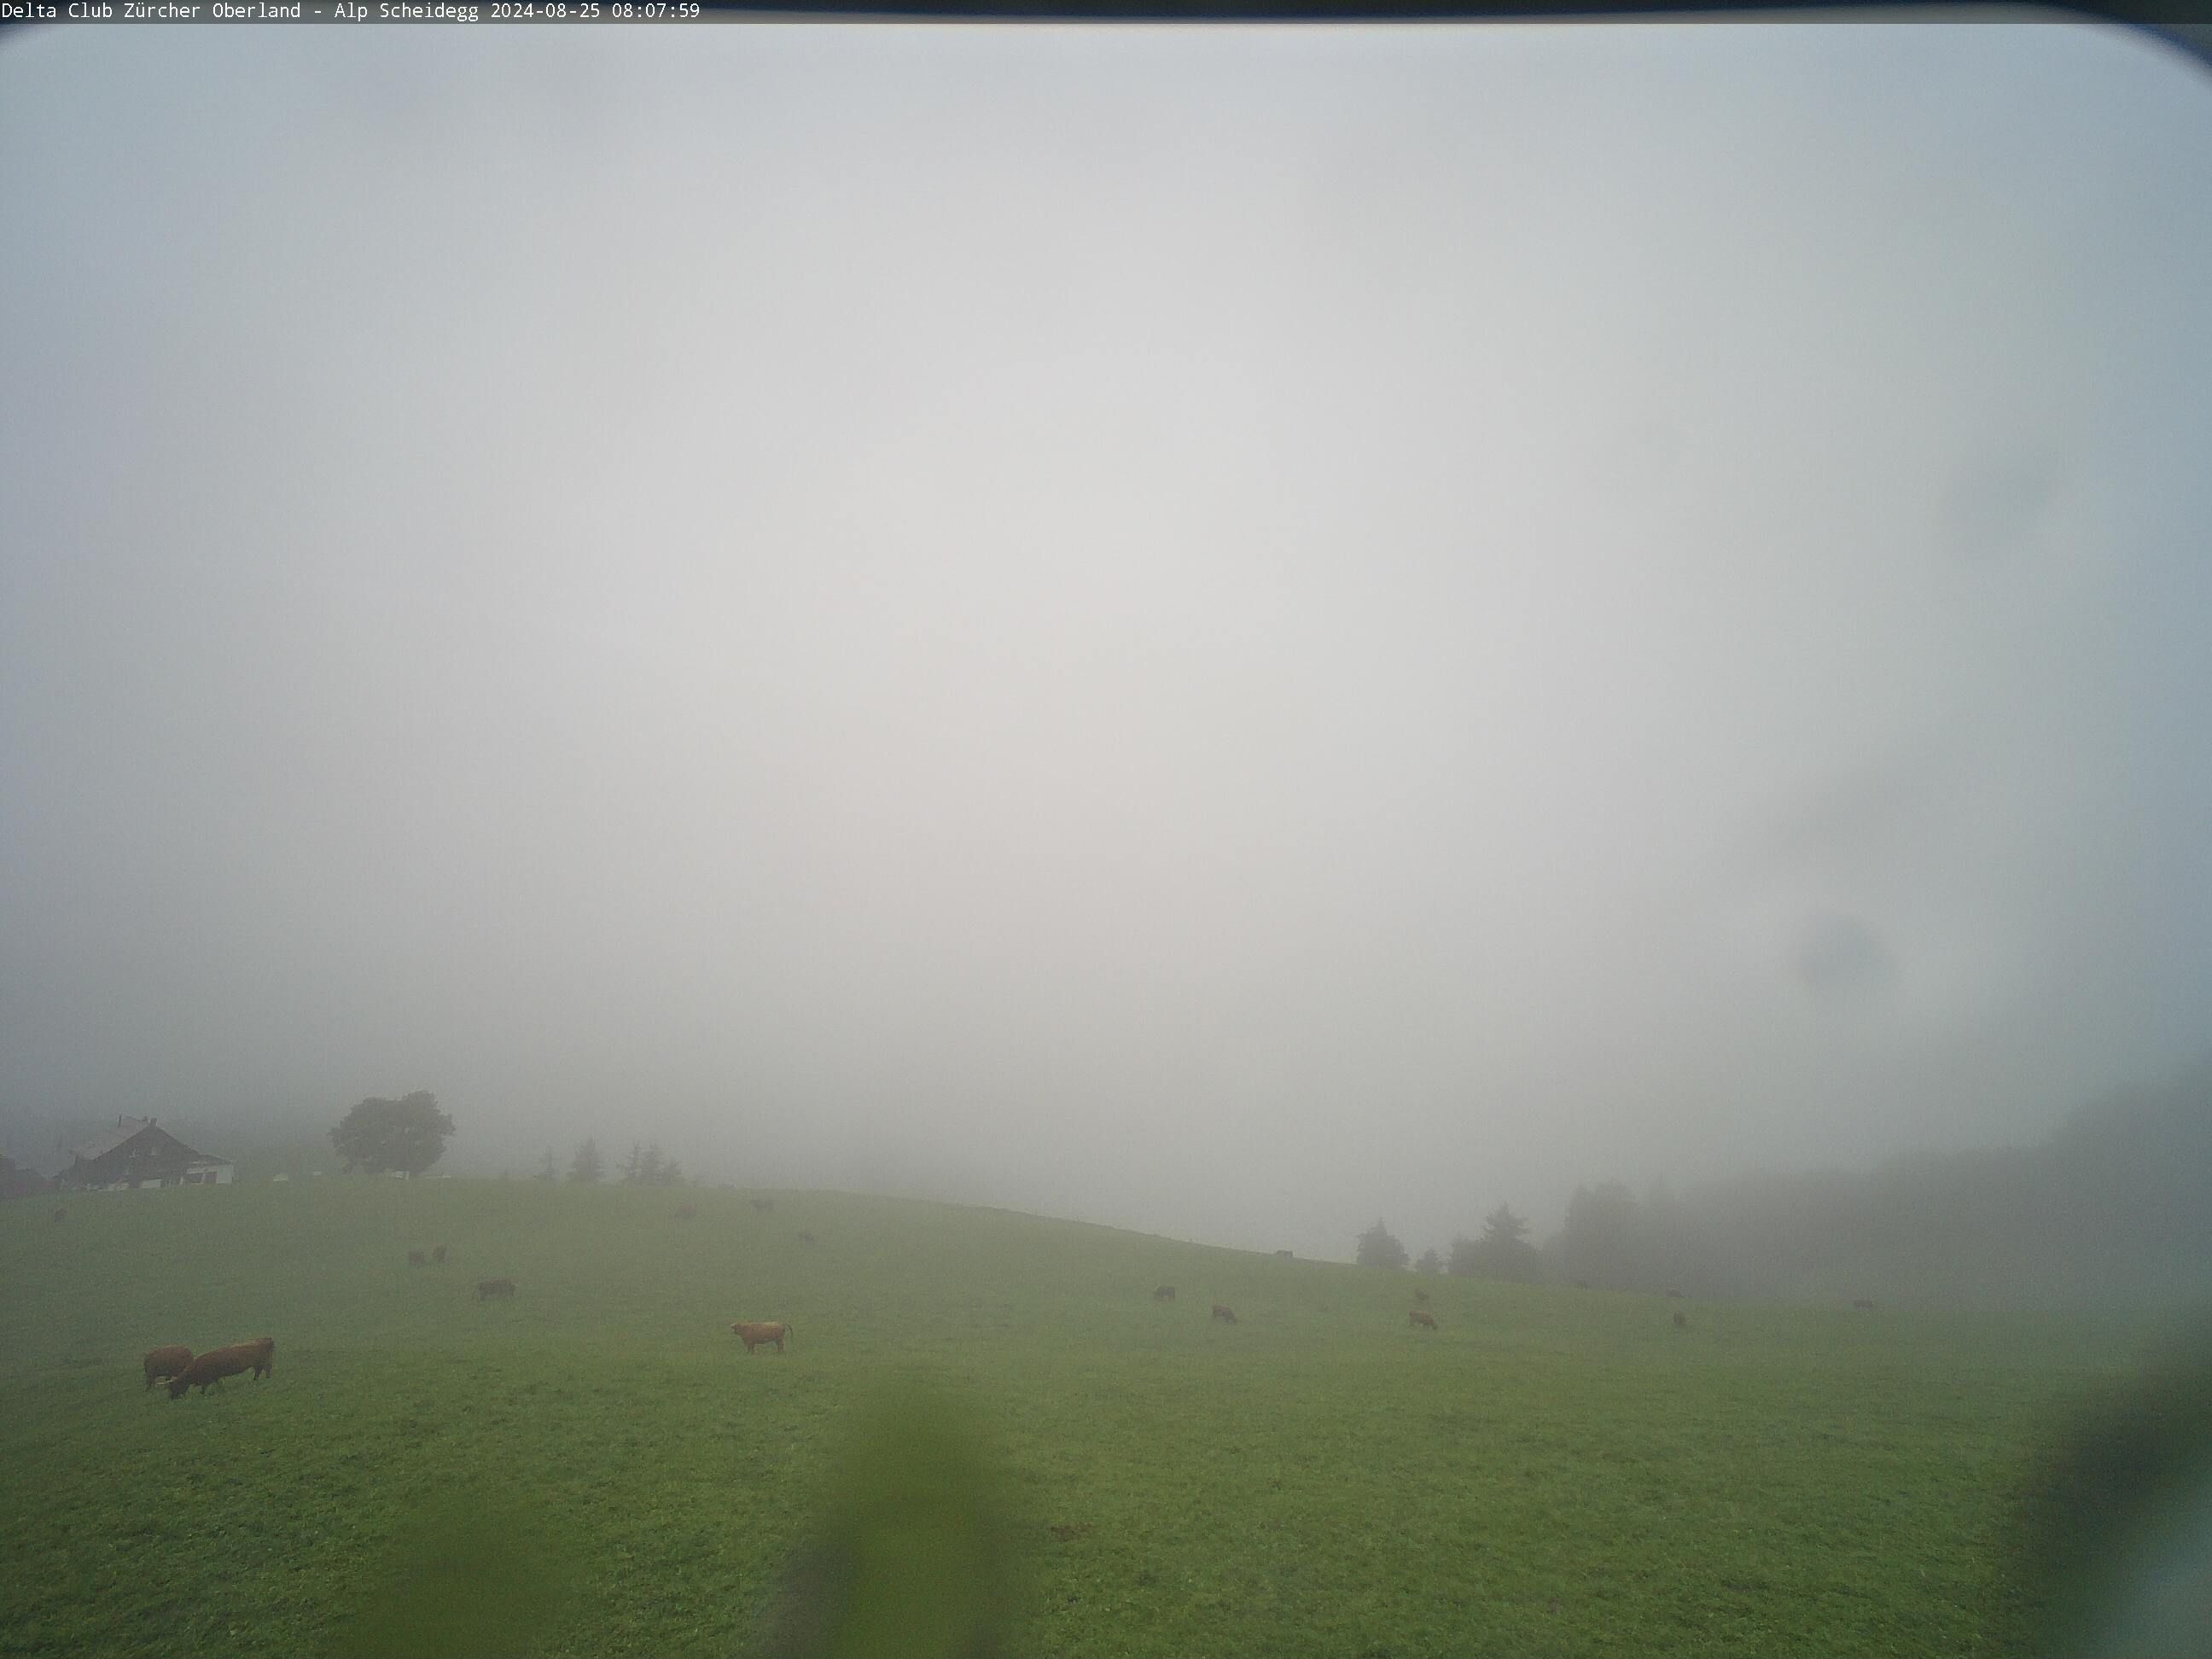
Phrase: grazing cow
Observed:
(1862, 1303)
(415, 1258)
(210, 1369)
(686, 1213)
(438, 1255)
(164, 1363)
(1165, 1293)
(491, 1287)
(1421, 1297)
(1681, 1322)
(62, 1214)
(1284, 1255)
(1426, 1320)
(808, 1238)
(1226, 1315)
(753, 1332)
(764, 1204)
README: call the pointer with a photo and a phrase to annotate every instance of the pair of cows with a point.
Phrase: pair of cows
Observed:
(184, 1371)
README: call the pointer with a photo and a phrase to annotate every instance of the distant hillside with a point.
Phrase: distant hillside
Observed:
(2111, 1209)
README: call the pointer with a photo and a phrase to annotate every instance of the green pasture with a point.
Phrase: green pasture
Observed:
(597, 1466)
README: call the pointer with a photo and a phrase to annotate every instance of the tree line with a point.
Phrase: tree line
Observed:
(2108, 1210)
(407, 1136)
(646, 1166)
(1503, 1251)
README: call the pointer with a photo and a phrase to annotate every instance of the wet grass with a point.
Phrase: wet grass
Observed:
(598, 1468)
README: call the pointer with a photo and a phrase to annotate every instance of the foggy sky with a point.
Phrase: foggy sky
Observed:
(1228, 631)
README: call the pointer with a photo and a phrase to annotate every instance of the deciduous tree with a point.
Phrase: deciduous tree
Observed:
(379, 1136)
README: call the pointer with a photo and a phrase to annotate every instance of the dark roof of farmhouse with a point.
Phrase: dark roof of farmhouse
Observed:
(128, 1129)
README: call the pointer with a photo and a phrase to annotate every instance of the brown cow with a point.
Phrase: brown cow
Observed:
(1421, 1297)
(1165, 1293)
(1677, 1295)
(163, 1363)
(755, 1331)
(1417, 1317)
(686, 1213)
(62, 1214)
(491, 1287)
(1681, 1322)
(808, 1238)
(1285, 1255)
(438, 1255)
(1226, 1315)
(764, 1204)
(210, 1369)
(413, 1258)
(1862, 1303)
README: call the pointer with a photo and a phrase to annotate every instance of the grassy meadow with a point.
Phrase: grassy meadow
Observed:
(597, 1466)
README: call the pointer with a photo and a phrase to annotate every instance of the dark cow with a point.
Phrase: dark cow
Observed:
(1677, 1295)
(415, 1258)
(1226, 1315)
(808, 1238)
(1165, 1293)
(438, 1255)
(259, 1356)
(1421, 1297)
(686, 1213)
(1681, 1322)
(487, 1288)
(1284, 1255)
(62, 1214)
(753, 1332)
(764, 1204)
(1862, 1303)
(164, 1363)
(1424, 1321)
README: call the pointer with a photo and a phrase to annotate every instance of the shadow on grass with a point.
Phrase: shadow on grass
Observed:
(913, 1553)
